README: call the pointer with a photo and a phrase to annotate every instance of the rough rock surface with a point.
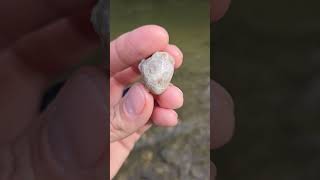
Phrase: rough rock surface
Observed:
(157, 71)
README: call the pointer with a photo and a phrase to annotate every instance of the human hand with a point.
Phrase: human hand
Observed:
(41, 41)
(134, 113)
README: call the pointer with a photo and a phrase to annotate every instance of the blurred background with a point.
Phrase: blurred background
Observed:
(267, 55)
(181, 152)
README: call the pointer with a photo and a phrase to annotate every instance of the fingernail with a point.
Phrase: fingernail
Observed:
(135, 100)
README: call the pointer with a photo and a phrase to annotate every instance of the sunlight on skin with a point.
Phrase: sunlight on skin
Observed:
(129, 115)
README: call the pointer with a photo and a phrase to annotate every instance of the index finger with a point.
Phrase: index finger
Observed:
(131, 47)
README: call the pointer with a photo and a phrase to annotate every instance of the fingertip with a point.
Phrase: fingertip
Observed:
(129, 48)
(164, 117)
(131, 113)
(137, 103)
(159, 31)
(156, 34)
(172, 98)
(177, 54)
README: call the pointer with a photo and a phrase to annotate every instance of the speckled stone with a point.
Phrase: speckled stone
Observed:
(157, 72)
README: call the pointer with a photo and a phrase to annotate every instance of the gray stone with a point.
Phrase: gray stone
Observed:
(157, 72)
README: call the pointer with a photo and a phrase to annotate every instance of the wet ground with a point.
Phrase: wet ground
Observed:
(181, 152)
(267, 54)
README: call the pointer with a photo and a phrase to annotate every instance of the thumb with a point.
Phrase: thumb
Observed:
(73, 143)
(131, 113)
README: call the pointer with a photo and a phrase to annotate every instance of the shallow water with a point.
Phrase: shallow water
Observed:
(181, 152)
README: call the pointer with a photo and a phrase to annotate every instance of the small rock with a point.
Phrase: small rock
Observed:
(157, 72)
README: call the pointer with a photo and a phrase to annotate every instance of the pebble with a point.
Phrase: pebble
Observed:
(157, 72)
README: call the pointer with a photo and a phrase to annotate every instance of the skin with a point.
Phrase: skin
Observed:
(125, 127)
(38, 45)
(67, 140)
(222, 124)
(40, 41)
